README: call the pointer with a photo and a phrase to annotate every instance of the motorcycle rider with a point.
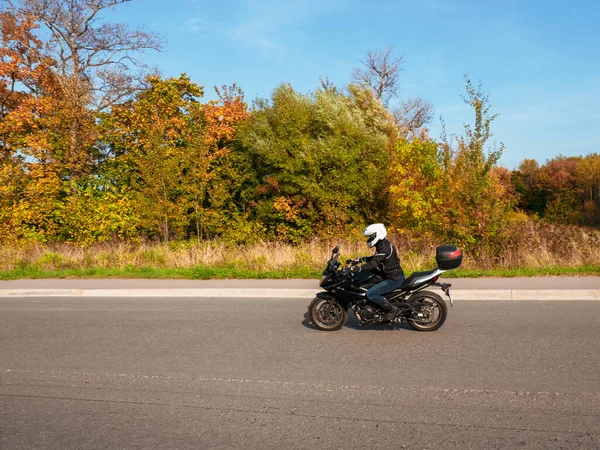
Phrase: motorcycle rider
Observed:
(386, 256)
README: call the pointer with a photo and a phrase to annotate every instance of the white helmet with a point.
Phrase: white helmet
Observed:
(375, 233)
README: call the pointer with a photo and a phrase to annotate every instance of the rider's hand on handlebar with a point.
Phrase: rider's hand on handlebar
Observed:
(356, 261)
(350, 271)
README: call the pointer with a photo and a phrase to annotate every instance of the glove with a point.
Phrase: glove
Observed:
(354, 270)
(357, 261)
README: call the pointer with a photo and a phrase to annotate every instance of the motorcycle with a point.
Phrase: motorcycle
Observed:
(344, 291)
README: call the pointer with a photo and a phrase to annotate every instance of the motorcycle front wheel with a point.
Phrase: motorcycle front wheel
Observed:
(429, 311)
(327, 314)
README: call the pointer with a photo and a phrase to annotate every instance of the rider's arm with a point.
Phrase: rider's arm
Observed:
(383, 251)
(372, 262)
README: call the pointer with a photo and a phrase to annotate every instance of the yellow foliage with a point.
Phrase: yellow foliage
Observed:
(35, 213)
(92, 218)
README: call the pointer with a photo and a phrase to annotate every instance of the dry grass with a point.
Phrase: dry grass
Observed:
(260, 256)
(528, 245)
(538, 244)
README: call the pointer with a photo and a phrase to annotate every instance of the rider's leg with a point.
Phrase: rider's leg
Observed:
(375, 295)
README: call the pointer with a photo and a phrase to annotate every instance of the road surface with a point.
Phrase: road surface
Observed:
(178, 373)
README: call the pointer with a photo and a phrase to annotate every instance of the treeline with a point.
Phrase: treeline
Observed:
(92, 152)
(564, 190)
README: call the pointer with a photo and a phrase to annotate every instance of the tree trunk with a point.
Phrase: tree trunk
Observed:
(166, 227)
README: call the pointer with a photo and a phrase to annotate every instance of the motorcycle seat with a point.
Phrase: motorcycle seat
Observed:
(410, 281)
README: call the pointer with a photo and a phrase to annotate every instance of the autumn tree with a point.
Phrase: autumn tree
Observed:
(151, 140)
(479, 204)
(558, 179)
(381, 72)
(452, 189)
(587, 174)
(320, 160)
(412, 115)
(94, 67)
(417, 188)
(531, 197)
(220, 176)
(173, 155)
(563, 190)
(29, 175)
(60, 66)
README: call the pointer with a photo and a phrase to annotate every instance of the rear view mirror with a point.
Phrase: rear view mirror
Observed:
(336, 249)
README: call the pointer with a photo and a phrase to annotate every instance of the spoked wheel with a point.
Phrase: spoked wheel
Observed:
(429, 311)
(326, 314)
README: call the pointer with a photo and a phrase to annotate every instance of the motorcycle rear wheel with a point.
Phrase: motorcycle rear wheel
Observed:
(432, 306)
(326, 314)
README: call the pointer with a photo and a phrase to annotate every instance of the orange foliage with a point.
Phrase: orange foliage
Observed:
(223, 115)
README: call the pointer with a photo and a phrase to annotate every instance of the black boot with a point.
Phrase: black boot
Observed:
(390, 310)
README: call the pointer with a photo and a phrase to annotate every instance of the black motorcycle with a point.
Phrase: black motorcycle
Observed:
(423, 310)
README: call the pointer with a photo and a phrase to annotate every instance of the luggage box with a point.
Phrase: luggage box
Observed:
(448, 257)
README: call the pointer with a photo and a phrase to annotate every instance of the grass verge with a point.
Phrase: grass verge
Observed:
(207, 273)
(547, 251)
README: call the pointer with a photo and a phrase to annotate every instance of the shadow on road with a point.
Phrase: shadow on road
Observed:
(354, 324)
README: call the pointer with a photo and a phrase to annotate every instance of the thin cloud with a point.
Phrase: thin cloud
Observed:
(194, 25)
(556, 110)
(254, 33)
(259, 23)
(441, 5)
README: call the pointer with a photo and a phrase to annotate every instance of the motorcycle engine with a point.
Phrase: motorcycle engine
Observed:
(366, 312)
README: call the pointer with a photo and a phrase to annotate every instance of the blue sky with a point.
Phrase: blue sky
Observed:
(538, 60)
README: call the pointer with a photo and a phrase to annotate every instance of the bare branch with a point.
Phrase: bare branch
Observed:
(82, 45)
(413, 114)
(91, 65)
(381, 73)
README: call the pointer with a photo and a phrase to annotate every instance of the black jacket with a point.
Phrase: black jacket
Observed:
(387, 258)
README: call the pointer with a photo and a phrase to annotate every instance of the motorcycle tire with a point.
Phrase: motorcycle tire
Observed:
(426, 297)
(327, 315)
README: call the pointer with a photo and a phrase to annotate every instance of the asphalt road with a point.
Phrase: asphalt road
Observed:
(238, 373)
(562, 282)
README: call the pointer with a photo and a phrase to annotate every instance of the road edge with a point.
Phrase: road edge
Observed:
(274, 293)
